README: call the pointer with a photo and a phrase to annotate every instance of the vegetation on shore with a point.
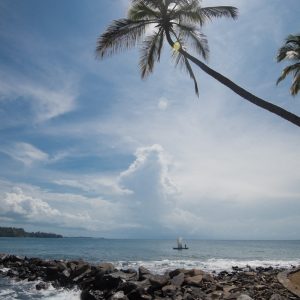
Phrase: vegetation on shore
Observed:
(20, 232)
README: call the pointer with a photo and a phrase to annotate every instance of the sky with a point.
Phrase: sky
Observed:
(87, 148)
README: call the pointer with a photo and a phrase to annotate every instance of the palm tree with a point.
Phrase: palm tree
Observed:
(177, 21)
(291, 52)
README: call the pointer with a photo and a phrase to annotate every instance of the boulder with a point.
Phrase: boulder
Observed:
(244, 297)
(128, 286)
(119, 296)
(216, 295)
(194, 280)
(108, 282)
(42, 286)
(169, 289)
(91, 295)
(158, 281)
(178, 280)
(52, 272)
(143, 273)
(278, 297)
(106, 268)
(80, 269)
(138, 295)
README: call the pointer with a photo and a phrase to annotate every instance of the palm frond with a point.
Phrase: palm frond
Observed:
(150, 3)
(195, 37)
(183, 62)
(282, 52)
(218, 12)
(192, 12)
(289, 69)
(141, 11)
(293, 39)
(120, 35)
(292, 43)
(188, 11)
(150, 52)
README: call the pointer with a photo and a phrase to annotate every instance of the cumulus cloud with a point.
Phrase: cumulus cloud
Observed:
(17, 206)
(23, 205)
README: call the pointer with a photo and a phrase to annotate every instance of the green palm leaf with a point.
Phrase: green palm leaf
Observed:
(120, 35)
(182, 61)
(197, 40)
(290, 51)
(150, 52)
(149, 3)
(140, 11)
(219, 12)
(295, 70)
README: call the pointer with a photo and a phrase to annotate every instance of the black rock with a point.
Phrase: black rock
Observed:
(91, 295)
(107, 282)
(143, 273)
(42, 286)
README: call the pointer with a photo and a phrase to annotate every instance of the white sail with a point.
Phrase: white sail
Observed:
(179, 243)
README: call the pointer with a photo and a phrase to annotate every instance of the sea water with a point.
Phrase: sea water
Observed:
(156, 255)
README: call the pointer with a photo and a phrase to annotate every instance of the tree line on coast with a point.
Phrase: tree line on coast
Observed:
(20, 232)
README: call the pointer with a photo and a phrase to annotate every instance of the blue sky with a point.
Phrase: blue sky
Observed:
(88, 148)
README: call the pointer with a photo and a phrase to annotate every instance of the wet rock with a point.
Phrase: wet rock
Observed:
(80, 269)
(51, 273)
(42, 286)
(108, 282)
(91, 295)
(138, 295)
(119, 296)
(128, 286)
(12, 273)
(143, 273)
(66, 273)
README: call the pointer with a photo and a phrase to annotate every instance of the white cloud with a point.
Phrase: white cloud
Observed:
(45, 102)
(24, 152)
(95, 184)
(23, 205)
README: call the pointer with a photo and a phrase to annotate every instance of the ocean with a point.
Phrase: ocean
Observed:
(156, 255)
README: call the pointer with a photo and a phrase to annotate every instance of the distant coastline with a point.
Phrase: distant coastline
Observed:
(20, 232)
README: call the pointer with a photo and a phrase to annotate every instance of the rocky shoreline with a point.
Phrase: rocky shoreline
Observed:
(104, 281)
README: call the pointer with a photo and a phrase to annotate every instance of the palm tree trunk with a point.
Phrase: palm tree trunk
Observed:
(239, 90)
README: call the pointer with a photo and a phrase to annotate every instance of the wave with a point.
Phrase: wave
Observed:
(210, 265)
(12, 289)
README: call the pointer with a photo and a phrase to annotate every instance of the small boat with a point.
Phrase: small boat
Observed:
(179, 245)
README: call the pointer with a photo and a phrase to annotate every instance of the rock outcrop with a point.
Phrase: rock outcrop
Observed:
(103, 281)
